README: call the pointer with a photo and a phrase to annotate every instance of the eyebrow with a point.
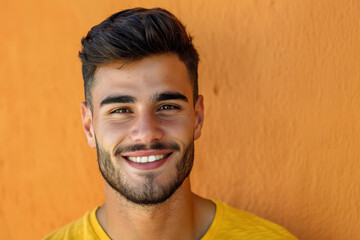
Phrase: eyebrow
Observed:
(169, 96)
(118, 99)
(157, 98)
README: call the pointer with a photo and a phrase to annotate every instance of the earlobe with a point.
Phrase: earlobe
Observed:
(86, 117)
(199, 116)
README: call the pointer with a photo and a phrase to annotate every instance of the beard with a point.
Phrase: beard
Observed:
(149, 192)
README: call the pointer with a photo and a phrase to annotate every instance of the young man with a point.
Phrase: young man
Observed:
(143, 113)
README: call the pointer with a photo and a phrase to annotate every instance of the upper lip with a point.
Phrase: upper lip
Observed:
(145, 153)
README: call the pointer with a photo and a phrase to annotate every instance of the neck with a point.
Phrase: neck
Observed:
(183, 216)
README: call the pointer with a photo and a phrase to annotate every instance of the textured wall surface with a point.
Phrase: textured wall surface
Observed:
(281, 81)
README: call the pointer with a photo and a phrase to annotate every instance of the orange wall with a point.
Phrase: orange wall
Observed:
(282, 128)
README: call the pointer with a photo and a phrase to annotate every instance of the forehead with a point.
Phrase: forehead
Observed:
(142, 78)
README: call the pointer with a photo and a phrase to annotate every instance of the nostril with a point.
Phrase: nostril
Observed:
(146, 130)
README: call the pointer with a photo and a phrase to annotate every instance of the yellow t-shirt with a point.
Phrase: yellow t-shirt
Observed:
(228, 223)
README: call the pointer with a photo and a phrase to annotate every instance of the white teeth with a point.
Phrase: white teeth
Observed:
(152, 158)
(146, 159)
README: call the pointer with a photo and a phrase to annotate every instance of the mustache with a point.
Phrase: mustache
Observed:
(153, 146)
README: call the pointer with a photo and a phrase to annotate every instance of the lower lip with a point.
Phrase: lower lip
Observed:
(148, 165)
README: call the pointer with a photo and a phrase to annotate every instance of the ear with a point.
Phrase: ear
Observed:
(86, 117)
(199, 116)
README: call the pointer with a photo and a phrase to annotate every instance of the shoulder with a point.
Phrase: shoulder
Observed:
(79, 229)
(231, 223)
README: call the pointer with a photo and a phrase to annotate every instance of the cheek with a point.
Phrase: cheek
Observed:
(183, 130)
(109, 133)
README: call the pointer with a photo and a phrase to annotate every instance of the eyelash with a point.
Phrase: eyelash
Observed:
(121, 110)
(168, 107)
(165, 107)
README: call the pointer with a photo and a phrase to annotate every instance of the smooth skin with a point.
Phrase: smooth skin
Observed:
(146, 119)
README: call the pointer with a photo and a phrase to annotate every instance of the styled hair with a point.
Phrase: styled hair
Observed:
(133, 34)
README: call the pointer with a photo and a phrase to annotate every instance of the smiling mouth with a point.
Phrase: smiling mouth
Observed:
(147, 159)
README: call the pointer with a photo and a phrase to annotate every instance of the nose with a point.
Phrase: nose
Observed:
(146, 129)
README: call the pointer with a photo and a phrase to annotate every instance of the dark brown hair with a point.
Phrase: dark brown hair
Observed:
(132, 35)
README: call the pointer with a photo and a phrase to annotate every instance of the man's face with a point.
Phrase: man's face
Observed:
(144, 124)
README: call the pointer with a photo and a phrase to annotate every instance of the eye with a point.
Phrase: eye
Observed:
(168, 107)
(121, 111)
